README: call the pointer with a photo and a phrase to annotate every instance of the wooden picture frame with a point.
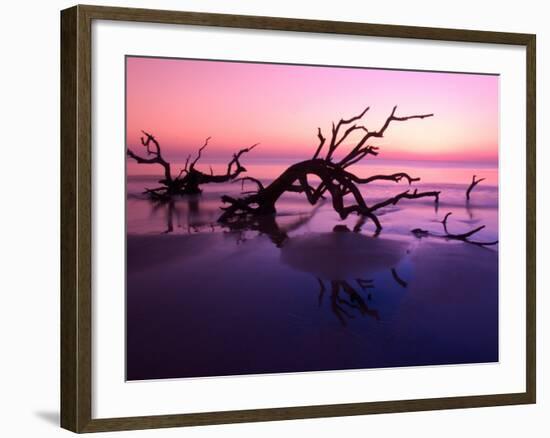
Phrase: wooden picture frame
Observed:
(76, 217)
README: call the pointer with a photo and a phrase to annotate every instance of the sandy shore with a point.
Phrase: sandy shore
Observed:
(208, 304)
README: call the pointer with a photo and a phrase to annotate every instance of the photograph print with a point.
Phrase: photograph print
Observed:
(285, 218)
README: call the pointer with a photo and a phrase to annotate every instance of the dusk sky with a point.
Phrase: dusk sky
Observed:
(182, 102)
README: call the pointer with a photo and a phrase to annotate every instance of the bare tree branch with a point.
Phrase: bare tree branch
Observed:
(334, 179)
(362, 150)
(464, 237)
(321, 143)
(157, 155)
(406, 195)
(474, 183)
(189, 178)
(334, 143)
(392, 118)
(249, 178)
(396, 177)
(192, 166)
(235, 162)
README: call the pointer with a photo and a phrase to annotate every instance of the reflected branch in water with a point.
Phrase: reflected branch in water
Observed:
(355, 302)
(173, 210)
(469, 211)
(364, 284)
(193, 201)
(398, 279)
(335, 259)
(267, 225)
(322, 291)
(264, 225)
(170, 210)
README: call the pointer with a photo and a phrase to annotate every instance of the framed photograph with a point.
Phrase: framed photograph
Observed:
(270, 218)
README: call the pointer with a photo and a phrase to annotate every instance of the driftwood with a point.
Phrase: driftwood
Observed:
(474, 183)
(334, 175)
(464, 237)
(189, 179)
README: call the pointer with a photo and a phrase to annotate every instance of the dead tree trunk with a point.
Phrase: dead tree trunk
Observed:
(334, 175)
(474, 183)
(189, 179)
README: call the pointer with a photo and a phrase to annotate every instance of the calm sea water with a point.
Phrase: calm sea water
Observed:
(292, 295)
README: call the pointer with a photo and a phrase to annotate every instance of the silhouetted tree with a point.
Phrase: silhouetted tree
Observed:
(189, 179)
(334, 175)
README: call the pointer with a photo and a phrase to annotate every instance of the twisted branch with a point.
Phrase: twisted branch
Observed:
(199, 153)
(157, 155)
(334, 177)
(474, 183)
(189, 178)
(464, 237)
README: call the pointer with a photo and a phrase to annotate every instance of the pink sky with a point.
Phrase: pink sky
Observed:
(280, 106)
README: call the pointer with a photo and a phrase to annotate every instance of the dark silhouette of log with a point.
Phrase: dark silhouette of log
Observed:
(335, 178)
(189, 179)
(474, 183)
(464, 237)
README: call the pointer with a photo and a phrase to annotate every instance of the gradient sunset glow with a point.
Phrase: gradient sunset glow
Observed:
(281, 106)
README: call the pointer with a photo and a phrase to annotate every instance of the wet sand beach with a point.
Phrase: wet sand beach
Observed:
(306, 292)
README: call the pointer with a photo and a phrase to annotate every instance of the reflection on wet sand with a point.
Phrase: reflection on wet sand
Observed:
(340, 259)
(172, 211)
(337, 258)
(321, 293)
(342, 307)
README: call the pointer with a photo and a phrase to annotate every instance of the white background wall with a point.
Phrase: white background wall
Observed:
(29, 215)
